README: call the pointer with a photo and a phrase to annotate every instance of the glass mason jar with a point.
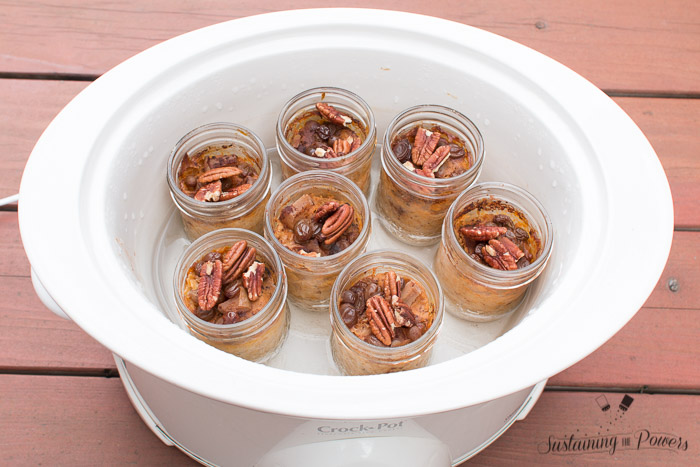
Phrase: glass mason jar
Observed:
(354, 356)
(474, 290)
(412, 206)
(311, 278)
(244, 211)
(257, 338)
(355, 165)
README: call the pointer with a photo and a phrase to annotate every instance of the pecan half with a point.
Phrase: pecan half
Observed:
(209, 284)
(240, 264)
(209, 192)
(381, 319)
(392, 285)
(341, 147)
(234, 254)
(482, 233)
(325, 210)
(218, 173)
(253, 279)
(238, 191)
(512, 248)
(436, 159)
(424, 145)
(332, 114)
(497, 256)
(337, 223)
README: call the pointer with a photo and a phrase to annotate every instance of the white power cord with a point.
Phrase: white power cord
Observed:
(9, 200)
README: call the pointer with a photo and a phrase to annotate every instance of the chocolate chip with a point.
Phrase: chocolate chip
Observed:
(371, 339)
(303, 230)
(372, 290)
(521, 234)
(348, 297)
(348, 314)
(402, 150)
(311, 125)
(205, 315)
(456, 151)
(323, 132)
(504, 221)
(233, 289)
(414, 333)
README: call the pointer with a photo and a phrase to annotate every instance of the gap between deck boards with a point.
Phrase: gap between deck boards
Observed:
(93, 77)
(113, 373)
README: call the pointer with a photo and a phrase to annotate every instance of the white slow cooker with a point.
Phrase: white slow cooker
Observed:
(99, 229)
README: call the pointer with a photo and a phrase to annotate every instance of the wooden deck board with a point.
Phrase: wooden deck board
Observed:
(58, 420)
(621, 45)
(27, 107)
(671, 125)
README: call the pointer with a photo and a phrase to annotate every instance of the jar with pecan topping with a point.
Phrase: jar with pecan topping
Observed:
(330, 129)
(496, 240)
(430, 154)
(386, 313)
(231, 292)
(219, 177)
(317, 221)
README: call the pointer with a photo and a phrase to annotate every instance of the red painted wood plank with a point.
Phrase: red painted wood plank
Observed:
(658, 348)
(541, 439)
(671, 125)
(54, 420)
(622, 44)
(32, 338)
(26, 109)
(63, 420)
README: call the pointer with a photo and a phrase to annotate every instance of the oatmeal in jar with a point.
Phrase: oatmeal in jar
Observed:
(231, 293)
(318, 221)
(386, 310)
(219, 176)
(430, 155)
(330, 129)
(496, 241)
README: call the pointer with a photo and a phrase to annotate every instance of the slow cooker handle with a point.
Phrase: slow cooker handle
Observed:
(45, 298)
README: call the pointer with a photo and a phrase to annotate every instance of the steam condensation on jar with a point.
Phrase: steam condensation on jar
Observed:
(430, 154)
(386, 312)
(231, 292)
(330, 129)
(497, 239)
(219, 176)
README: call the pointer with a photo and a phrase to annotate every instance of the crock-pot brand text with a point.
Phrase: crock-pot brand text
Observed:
(362, 428)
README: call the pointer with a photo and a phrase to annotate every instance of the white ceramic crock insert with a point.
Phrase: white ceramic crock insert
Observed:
(95, 201)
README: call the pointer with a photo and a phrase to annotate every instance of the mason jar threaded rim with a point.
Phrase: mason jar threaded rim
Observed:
(440, 115)
(285, 148)
(210, 134)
